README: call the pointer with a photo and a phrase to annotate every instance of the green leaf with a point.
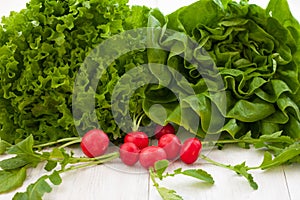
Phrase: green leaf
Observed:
(199, 174)
(242, 170)
(168, 194)
(178, 171)
(50, 165)
(23, 147)
(277, 137)
(57, 154)
(222, 3)
(281, 11)
(246, 137)
(55, 178)
(283, 157)
(160, 167)
(211, 13)
(13, 163)
(247, 111)
(274, 138)
(34, 191)
(267, 159)
(11, 179)
(3, 146)
(20, 160)
(67, 158)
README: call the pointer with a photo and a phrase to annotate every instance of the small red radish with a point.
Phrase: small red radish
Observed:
(171, 144)
(140, 139)
(190, 150)
(94, 143)
(150, 155)
(129, 153)
(163, 130)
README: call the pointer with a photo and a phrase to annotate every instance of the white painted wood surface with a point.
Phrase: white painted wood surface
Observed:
(292, 174)
(230, 186)
(115, 181)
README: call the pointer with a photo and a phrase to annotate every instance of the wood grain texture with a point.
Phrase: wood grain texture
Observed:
(292, 174)
(115, 181)
(102, 182)
(228, 185)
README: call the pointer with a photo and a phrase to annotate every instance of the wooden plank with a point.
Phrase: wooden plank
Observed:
(113, 181)
(109, 181)
(292, 174)
(228, 185)
(116, 181)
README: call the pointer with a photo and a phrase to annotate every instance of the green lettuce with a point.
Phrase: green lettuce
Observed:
(42, 49)
(256, 51)
(253, 51)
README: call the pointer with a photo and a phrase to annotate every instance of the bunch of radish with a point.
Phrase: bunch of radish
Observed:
(136, 146)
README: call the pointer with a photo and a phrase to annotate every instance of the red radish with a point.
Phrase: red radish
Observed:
(150, 155)
(171, 144)
(129, 153)
(163, 130)
(140, 139)
(190, 150)
(94, 143)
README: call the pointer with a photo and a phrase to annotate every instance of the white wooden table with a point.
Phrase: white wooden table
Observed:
(115, 181)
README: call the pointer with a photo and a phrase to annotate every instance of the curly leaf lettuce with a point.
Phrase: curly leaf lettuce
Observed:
(42, 48)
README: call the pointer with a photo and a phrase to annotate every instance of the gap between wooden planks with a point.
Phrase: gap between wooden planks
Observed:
(115, 181)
